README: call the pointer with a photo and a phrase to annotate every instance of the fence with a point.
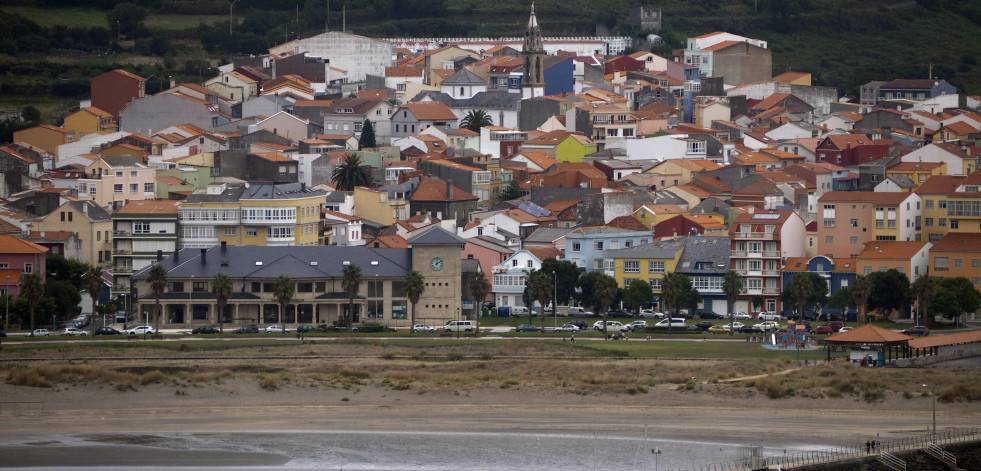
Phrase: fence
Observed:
(832, 455)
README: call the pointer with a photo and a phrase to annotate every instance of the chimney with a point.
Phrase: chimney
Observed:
(177, 255)
(449, 189)
(204, 256)
(172, 82)
(85, 208)
(160, 255)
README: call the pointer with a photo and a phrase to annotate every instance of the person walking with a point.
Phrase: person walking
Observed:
(573, 339)
(868, 447)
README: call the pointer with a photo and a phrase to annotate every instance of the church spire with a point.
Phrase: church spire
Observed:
(533, 55)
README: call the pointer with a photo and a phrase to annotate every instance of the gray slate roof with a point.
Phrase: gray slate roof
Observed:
(482, 100)
(713, 250)
(267, 262)
(546, 235)
(436, 236)
(95, 212)
(464, 77)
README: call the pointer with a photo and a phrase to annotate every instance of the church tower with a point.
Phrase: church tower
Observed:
(533, 54)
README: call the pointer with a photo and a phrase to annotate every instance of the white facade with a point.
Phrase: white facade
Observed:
(936, 154)
(673, 146)
(581, 45)
(87, 144)
(510, 278)
(358, 55)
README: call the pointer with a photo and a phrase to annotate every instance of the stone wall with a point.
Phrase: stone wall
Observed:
(950, 352)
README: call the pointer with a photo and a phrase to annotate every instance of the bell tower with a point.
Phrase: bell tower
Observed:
(533, 55)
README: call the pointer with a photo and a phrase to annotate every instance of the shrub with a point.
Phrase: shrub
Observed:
(353, 372)
(269, 383)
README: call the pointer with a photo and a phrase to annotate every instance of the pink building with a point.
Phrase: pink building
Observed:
(761, 241)
(115, 179)
(17, 258)
(489, 251)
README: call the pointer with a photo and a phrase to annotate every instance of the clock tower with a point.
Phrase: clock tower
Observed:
(436, 253)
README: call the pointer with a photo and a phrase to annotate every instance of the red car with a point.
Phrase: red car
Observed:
(823, 330)
(836, 325)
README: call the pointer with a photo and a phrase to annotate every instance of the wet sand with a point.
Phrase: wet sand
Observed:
(32, 456)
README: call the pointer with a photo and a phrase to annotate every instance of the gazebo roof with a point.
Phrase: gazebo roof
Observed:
(868, 334)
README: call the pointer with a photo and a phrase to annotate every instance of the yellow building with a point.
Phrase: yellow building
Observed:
(918, 172)
(255, 214)
(964, 205)
(89, 121)
(934, 195)
(648, 262)
(377, 206)
(89, 221)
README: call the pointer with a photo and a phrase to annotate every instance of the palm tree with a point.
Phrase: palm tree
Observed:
(92, 279)
(351, 281)
(672, 289)
(605, 289)
(802, 290)
(221, 289)
(415, 285)
(861, 289)
(924, 290)
(352, 172)
(476, 119)
(33, 290)
(157, 279)
(732, 284)
(479, 287)
(283, 289)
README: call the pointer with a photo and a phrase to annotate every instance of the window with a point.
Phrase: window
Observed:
(655, 283)
(148, 187)
(941, 263)
(119, 174)
(576, 246)
(141, 228)
(229, 231)
(928, 204)
(251, 232)
(928, 222)
(942, 222)
(631, 266)
(598, 245)
(655, 267)
(829, 240)
(829, 215)
(853, 222)
(754, 283)
(942, 204)
(955, 224)
(28, 268)
(117, 188)
(975, 263)
(134, 187)
(958, 263)
(853, 240)
(867, 271)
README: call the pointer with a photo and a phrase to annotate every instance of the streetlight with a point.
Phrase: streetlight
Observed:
(934, 415)
(458, 319)
(555, 298)
(656, 452)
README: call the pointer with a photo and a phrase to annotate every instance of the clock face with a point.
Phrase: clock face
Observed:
(436, 264)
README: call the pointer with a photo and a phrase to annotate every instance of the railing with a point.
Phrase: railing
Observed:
(755, 235)
(892, 461)
(123, 269)
(939, 453)
(121, 251)
(771, 254)
(122, 233)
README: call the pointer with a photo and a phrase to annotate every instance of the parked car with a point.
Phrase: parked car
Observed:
(611, 326)
(579, 311)
(708, 314)
(457, 326)
(205, 329)
(422, 328)
(107, 331)
(670, 322)
(836, 325)
(71, 331)
(652, 314)
(302, 329)
(768, 325)
(718, 329)
(844, 329)
(520, 311)
(825, 316)
(568, 327)
(741, 316)
(752, 329)
(248, 329)
(276, 329)
(527, 328)
(736, 326)
(918, 330)
(636, 325)
(579, 323)
(619, 313)
(823, 330)
(768, 316)
(703, 325)
(41, 333)
(141, 330)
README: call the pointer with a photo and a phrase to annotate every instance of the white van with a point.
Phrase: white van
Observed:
(674, 322)
(579, 312)
(457, 326)
(520, 311)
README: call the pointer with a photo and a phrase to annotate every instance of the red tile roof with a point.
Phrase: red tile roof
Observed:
(11, 244)
(430, 189)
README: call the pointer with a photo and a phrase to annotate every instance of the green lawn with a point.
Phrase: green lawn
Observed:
(182, 22)
(71, 17)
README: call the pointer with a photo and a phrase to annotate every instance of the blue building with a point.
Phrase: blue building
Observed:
(558, 76)
(838, 272)
(585, 246)
(705, 262)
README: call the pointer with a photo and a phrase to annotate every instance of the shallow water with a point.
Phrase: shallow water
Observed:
(436, 451)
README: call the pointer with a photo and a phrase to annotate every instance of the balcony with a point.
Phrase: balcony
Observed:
(122, 233)
(771, 291)
(771, 254)
(122, 269)
(755, 235)
(738, 253)
(771, 273)
(122, 252)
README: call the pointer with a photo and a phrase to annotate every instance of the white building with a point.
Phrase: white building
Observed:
(358, 55)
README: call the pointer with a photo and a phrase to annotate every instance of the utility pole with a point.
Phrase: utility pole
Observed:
(231, 4)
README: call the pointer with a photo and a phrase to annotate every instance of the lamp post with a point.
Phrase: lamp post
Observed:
(934, 436)
(458, 319)
(656, 452)
(555, 300)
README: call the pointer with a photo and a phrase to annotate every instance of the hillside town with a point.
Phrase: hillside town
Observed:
(409, 165)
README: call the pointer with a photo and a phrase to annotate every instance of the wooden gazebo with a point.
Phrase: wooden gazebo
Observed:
(893, 345)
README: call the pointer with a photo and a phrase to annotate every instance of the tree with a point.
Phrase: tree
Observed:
(367, 138)
(415, 285)
(351, 279)
(805, 291)
(638, 294)
(924, 289)
(476, 119)
(587, 295)
(841, 299)
(512, 191)
(126, 18)
(566, 275)
(757, 301)
(157, 279)
(732, 284)
(351, 173)
(672, 290)
(606, 290)
(860, 291)
(955, 296)
(479, 287)
(890, 291)
(283, 289)
(30, 114)
(94, 284)
(540, 288)
(32, 289)
(64, 297)
(221, 289)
